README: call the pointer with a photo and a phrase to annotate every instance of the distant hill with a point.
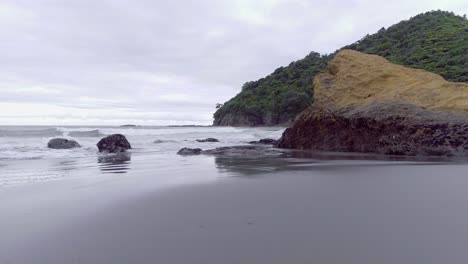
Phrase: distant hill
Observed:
(436, 41)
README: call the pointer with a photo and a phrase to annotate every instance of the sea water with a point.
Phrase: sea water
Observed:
(30, 142)
(25, 157)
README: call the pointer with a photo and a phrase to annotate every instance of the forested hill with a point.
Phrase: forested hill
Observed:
(436, 41)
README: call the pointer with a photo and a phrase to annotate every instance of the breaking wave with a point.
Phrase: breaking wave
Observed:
(91, 133)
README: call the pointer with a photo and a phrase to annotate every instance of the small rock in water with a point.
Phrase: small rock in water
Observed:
(62, 143)
(189, 151)
(208, 140)
(113, 144)
(159, 141)
(265, 141)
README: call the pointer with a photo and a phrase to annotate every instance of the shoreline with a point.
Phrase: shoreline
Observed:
(321, 214)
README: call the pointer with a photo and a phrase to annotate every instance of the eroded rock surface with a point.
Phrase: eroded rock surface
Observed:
(366, 104)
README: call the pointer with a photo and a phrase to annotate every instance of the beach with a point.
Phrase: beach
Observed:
(204, 209)
(233, 132)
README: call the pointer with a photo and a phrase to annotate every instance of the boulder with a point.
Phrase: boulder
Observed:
(208, 140)
(62, 143)
(265, 141)
(189, 151)
(364, 103)
(113, 144)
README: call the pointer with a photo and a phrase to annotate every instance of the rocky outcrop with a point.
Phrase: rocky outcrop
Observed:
(208, 140)
(114, 144)
(189, 151)
(364, 103)
(265, 141)
(62, 143)
(245, 152)
(436, 41)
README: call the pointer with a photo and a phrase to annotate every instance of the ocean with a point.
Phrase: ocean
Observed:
(25, 157)
(30, 142)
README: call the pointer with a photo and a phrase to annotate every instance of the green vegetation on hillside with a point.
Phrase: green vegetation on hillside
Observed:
(280, 96)
(436, 41)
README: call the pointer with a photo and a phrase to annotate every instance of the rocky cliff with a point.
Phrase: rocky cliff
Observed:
(436, 41)
(364, 103)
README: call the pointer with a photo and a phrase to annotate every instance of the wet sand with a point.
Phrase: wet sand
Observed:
(345, 212)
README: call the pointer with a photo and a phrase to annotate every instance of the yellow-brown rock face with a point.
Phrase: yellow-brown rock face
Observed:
(356, 79)
(364, 103)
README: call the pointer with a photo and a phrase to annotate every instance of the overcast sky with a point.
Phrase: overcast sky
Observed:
(153, 62)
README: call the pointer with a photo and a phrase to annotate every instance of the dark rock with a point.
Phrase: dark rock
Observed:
(113, 144)
(245, 152)
(189, 151)
(62, 143)
(208, 140)
(265, 141)
(392, 129)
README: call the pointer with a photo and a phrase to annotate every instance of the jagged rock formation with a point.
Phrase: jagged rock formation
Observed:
(364, 103)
